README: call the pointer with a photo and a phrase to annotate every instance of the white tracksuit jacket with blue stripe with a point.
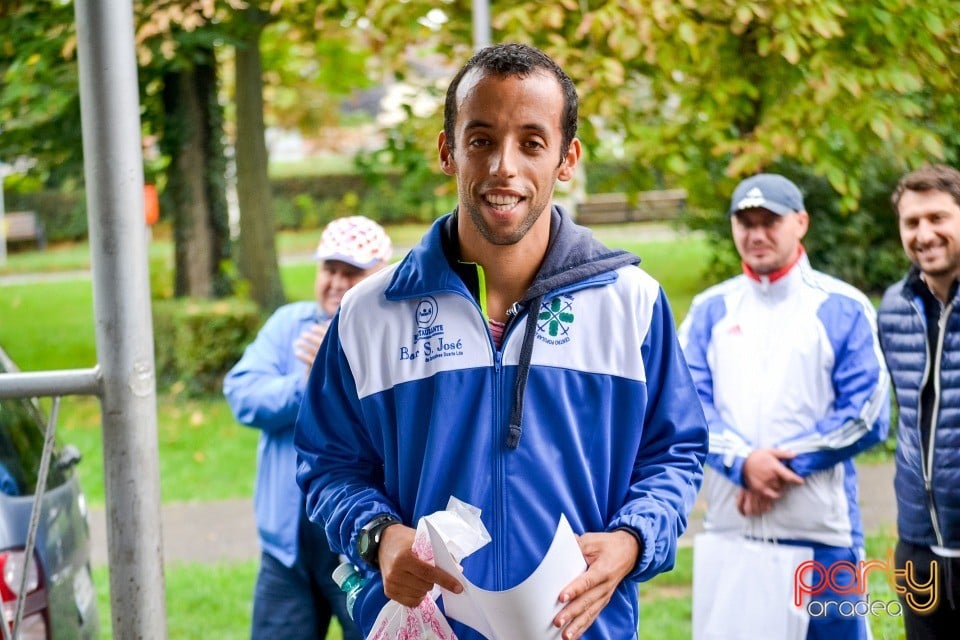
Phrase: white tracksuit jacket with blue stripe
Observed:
(793, 363)
(409, 402)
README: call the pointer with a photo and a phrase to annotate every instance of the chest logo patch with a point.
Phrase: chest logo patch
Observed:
(426, 315)
(555, 319)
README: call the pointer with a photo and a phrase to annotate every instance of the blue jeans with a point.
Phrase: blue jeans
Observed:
(297, 603)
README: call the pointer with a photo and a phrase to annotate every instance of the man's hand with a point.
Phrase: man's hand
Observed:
(765, 473)
(407, 578)
(610, 558)
(752, 503)
(308, 344)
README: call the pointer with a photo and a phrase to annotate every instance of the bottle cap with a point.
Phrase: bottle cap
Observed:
(343, 572)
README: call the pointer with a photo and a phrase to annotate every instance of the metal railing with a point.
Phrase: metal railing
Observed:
(123, 378)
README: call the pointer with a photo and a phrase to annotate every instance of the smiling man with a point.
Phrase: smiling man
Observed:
(920, 333)
(788, 366)
(513, 362)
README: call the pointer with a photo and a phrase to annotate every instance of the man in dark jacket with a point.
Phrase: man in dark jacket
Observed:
(920, 335)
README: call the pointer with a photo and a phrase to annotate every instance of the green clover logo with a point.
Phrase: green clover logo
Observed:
(556, 316)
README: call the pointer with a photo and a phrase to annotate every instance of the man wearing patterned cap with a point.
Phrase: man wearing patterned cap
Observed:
(295, 594)
(788, 367)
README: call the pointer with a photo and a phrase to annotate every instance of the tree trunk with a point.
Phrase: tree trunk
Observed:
(257, 253)
(216, 175)
(195, 181)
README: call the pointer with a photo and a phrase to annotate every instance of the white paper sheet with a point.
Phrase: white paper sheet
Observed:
(528, 609)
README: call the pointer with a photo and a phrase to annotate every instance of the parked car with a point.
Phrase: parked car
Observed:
(59, 598)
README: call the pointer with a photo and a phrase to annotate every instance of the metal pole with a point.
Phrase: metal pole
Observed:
(481, 24)
(113, 168)
(68, 382)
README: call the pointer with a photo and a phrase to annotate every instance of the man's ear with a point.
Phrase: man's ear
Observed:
(447, 164)
(568, 166)
(803, 222)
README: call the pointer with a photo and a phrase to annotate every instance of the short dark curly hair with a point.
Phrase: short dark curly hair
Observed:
(514, 59)
(934, 177)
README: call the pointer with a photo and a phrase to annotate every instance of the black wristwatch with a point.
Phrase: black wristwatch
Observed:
(368, 541)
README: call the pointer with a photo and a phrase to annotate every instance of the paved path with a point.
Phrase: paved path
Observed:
(224, 531)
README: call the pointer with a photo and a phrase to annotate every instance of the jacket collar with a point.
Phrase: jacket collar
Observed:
(914, 286)
(776, 275)
(573, 255)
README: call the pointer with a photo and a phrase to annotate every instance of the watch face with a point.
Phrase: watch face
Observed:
(363, 543)
(368, 540)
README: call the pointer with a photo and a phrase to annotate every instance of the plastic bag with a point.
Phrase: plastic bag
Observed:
(462, 533)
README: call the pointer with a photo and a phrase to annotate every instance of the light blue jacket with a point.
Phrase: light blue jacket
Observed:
(587, 410)
(264, 390)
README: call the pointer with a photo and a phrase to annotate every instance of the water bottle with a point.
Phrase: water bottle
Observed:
(350, 582)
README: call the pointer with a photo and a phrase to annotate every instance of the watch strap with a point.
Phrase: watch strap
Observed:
(369, 549)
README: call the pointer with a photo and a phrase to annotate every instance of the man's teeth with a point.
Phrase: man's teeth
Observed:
(503, 201)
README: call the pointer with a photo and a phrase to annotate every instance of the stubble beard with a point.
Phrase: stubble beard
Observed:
(951, 269)
(504, 238)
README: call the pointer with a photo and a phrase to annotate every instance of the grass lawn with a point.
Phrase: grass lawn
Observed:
(203, 601)
(213, 601)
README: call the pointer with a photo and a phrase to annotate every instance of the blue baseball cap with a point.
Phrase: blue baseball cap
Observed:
(768, 191)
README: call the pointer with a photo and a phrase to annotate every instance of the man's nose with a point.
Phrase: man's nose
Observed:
(925, 231)
(504, 161)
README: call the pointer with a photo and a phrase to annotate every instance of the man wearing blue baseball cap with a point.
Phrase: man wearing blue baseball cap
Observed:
(295, 594)
(788, 366)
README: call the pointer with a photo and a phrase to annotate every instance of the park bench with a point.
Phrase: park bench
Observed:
(23, 226)
(602, 208)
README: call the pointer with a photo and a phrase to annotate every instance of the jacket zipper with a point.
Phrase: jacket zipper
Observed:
(928, 479)
(927, 460)
(496, 438)
(501, 559)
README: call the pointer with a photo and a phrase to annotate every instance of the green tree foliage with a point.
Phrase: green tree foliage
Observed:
(692, 93)
(826, 83)
(286, 34)
(691, 86)
(700, 93)
(39, 98)
(842, 97)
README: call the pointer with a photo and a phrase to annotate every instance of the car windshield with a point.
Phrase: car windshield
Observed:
(21, 446)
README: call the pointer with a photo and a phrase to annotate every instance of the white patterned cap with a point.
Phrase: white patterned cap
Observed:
(355, 240)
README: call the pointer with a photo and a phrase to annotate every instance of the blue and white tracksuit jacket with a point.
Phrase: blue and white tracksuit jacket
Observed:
(264, 390)
(587, 411)
(793, 363)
